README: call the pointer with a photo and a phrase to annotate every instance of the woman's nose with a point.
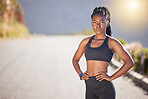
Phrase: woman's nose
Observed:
(98, 25)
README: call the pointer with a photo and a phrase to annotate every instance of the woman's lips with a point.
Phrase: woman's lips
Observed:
(98, 29)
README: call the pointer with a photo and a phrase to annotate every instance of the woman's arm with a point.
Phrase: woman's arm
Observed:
(79, 52)
(124, 55)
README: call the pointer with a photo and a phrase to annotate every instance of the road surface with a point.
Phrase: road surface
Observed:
(41, 68)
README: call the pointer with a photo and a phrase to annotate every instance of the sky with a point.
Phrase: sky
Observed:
(129, 18)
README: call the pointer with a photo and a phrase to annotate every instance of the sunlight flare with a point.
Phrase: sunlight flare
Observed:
(131, 13)
(133, 5)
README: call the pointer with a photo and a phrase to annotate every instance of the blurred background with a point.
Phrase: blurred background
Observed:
(129, 22)
(129, 19)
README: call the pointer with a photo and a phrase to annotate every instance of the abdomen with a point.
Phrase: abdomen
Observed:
(95, 66)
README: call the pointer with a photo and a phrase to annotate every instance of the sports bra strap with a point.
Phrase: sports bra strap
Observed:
(91, 39)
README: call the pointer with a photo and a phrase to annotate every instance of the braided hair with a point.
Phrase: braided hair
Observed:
(104, 12)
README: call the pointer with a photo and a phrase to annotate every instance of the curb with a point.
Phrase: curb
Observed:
(137, 78)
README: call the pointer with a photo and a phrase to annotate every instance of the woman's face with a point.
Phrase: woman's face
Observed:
(99, 24)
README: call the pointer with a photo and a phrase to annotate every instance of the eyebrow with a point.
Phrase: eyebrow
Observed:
(100, 20)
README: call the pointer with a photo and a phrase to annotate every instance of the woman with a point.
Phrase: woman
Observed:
(99, 50)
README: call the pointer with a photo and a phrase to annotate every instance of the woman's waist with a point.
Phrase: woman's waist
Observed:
(95, 73)
(93, 67)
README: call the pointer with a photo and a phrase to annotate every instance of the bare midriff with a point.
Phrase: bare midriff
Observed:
(95, 66)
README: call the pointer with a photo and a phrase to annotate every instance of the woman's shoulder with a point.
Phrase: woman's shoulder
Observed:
(113, 40)
(86, 39)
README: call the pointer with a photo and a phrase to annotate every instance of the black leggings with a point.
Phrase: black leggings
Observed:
(99, 90)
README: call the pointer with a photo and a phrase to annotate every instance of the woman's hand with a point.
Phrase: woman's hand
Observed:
(102, 75)
(85, 76)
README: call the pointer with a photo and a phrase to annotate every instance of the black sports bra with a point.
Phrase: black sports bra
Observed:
(101, 53)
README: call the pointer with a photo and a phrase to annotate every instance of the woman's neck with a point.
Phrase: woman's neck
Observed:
(99, 36)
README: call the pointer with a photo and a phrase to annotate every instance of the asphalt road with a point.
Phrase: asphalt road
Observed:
(41, 68)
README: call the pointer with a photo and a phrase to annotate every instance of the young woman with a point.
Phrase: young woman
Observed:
(99, 50)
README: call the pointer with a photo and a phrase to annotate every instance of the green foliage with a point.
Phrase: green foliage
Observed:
(137, 63)
(88, 32)
(123, 42)
(146, 66)
(137, 60)
(84, 32)
(12, 28)
(145, 50)
(15, 2)
(137, 57)
(12, 31)
(1, 6)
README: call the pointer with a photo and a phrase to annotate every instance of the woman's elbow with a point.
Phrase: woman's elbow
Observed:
(131, 63)
(74, 60)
